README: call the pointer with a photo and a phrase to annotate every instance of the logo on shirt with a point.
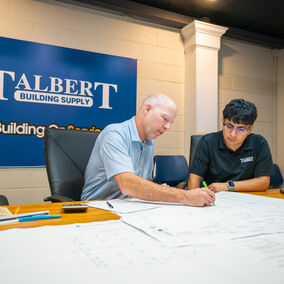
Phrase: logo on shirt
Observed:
(246, 160)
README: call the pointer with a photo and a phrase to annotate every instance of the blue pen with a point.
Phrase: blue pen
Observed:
(41, 217)
(109, 205)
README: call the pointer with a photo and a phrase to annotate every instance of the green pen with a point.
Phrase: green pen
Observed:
(205, 185)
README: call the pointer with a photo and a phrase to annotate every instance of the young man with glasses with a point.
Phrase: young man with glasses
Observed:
(233, 159)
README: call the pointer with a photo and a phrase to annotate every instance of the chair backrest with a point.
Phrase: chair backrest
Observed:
(67, 153)
(170, 169)
(277, 178)
(194, 140)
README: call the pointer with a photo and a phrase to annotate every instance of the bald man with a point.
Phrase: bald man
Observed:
(121, 162)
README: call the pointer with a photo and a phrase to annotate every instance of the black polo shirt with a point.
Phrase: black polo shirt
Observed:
(216, 163)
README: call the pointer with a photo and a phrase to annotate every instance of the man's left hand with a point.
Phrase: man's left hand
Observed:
(218, 186)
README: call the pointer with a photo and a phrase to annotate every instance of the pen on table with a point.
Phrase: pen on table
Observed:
(40, 217)
(17, 211)
(109, 205)
(205, 185)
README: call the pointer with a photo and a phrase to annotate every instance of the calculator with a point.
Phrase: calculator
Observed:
(79, 207)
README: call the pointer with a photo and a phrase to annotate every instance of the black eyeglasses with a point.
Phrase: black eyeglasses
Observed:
(240, 130)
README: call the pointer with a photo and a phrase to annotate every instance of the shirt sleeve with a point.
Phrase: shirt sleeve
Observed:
(115, 155)
(264, 164)
(201, 159)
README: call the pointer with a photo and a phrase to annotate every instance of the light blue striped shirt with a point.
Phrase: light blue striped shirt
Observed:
(118, 149)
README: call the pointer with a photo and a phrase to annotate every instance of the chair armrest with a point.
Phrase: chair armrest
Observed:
(58, 198)
(3, 200)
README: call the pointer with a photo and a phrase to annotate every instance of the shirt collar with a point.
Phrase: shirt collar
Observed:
(134, 132)
(221, 141)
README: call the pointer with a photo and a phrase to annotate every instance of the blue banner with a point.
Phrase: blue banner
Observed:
(48, 86)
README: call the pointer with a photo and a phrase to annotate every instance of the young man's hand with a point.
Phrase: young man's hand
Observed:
(218, 186)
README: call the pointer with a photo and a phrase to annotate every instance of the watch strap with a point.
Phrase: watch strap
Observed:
(231, 185)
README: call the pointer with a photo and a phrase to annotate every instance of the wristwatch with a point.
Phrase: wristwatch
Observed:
(231, 185)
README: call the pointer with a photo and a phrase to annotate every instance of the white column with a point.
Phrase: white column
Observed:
(202, 42)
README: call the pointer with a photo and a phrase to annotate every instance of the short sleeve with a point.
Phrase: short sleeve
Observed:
(115, 155)
(201, 158)
(264, 164)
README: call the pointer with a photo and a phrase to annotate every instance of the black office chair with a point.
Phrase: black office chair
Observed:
(170, 169)
(194, 140)
(67, 153)
(276, 180)
(4, 200)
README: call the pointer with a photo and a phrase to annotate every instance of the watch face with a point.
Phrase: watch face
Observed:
(231, 183)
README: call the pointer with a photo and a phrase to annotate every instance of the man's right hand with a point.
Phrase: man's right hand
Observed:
(138, 187)
(198, 197)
